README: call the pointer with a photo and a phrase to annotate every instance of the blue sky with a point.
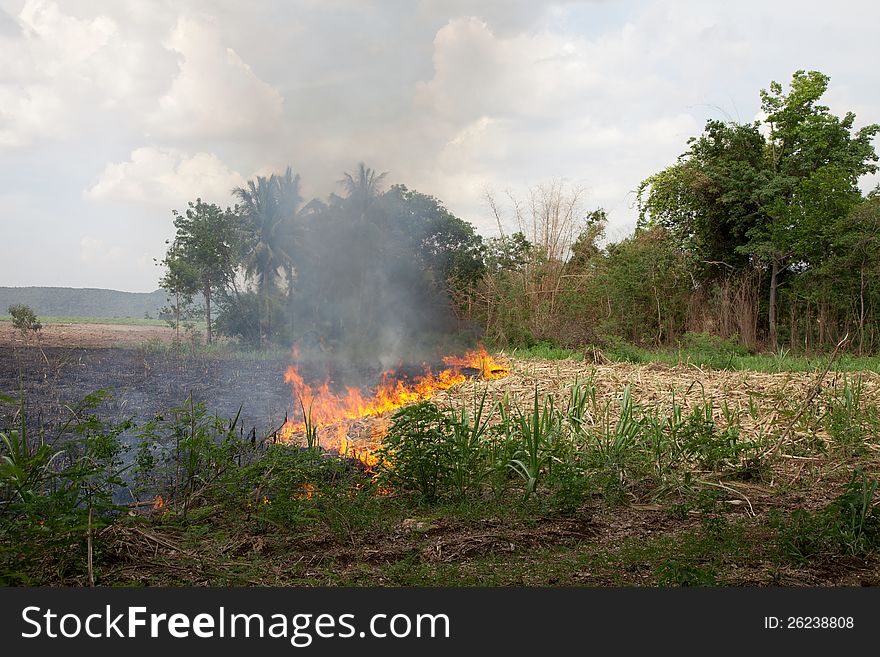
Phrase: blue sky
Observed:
(114, 113)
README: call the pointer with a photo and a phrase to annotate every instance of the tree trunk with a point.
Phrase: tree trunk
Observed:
(208, 313)
(771, 311)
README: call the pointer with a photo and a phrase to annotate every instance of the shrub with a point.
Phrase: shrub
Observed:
(24, 319)
(416, 454)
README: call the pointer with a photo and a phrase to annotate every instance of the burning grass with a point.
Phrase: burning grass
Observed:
(352, 422)
(560, 472)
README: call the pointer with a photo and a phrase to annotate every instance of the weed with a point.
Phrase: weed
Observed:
(673, 572)
(850, 524)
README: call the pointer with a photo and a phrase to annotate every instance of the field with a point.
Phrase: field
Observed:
(585, 473)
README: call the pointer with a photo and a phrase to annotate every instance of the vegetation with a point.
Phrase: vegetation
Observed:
(24, 319)
(757, 239)
(88, 302)
(494, 489)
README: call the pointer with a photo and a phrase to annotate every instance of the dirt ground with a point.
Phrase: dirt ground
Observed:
(86, 335)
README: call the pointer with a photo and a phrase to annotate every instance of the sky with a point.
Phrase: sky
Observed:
(114, 113)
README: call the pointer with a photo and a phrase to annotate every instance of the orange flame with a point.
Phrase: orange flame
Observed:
(326, 409)
(158, 503)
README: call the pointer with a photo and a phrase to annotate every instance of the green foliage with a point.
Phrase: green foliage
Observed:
(673, 572)
(204, 255)
(24, 319)
(620, 350)
(55, 492)
(644, 286)
(850, 524)
(547, 350)
(712, 448)
(738, 199)
(538, 434)
(416, 454)
(196, 449)
(850, 419)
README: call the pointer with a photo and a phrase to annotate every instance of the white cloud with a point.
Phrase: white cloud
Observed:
(165, 177)
(96, 251)
(215, 94)
(60, 71)
(450, 98)
(523, 108)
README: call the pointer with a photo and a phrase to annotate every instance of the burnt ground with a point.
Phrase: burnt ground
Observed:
(143, 382)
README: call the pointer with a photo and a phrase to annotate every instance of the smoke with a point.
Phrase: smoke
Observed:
(372, 269)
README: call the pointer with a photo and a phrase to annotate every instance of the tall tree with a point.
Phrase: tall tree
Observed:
(707, 199)
(290, 232)
(362, 188)
(265, 256)
(180, 281)
(813, 165)
(204, 253)
(738, 198)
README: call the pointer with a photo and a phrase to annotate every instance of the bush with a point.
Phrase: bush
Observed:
(24, 319)
(416, 454)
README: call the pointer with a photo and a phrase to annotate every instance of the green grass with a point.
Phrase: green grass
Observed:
(708, 357)
(546, 350)
(690, 558)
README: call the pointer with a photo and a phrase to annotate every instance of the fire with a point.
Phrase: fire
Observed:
(331, 413)
(158, 503)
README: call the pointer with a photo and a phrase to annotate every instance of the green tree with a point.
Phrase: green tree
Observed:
(205, 251)
(814, 162)
(737, 199)
(362, 188)
(265, 204)
(707, 200)
(181, 281)
(24, 319)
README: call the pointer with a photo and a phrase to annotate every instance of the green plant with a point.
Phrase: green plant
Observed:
(467, 455)
(673, 572)
(712, 448)
(416, 453)
(849, 419)
(197, 449)
(855, 518)
(24, 319)
(311, 429)
(620, 350)
(610, 445)
(850, 524)
(56, 493)
(537, 433)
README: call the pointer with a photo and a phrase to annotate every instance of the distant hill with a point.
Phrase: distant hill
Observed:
(84, 302)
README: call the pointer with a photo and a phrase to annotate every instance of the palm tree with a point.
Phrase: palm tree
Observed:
(363, 187)
(267, 204)
(290, 233)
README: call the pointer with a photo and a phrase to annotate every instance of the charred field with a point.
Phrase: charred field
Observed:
(559, 473)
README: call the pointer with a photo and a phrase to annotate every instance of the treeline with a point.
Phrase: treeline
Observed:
(758, 233)
(366, 270)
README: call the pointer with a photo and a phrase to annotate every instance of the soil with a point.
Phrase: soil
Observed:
(87, 335)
